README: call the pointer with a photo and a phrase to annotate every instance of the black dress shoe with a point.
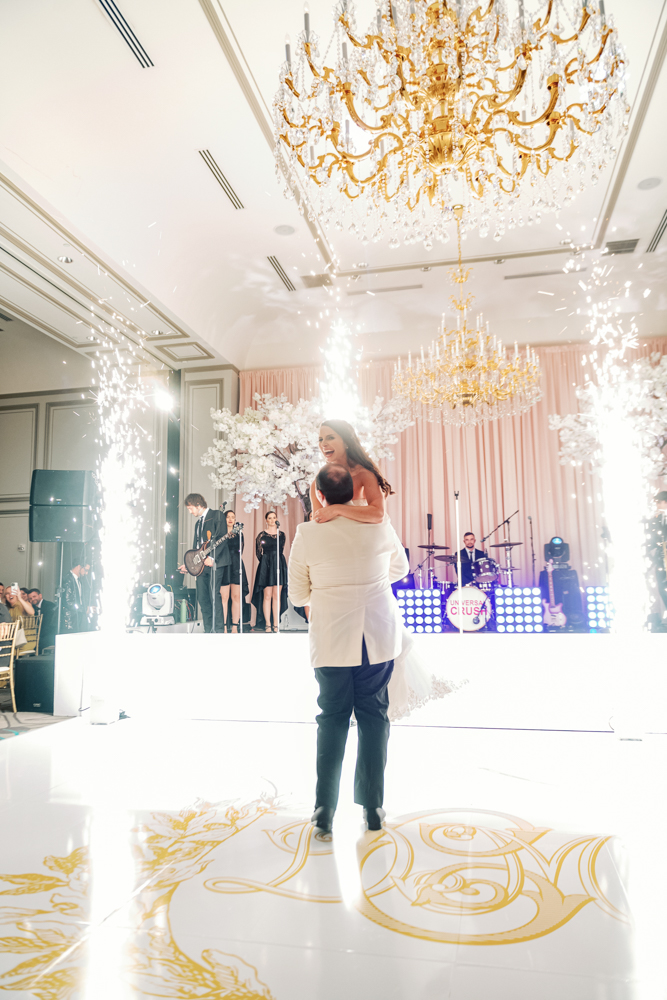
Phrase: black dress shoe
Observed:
(322, 818)
(374, 818)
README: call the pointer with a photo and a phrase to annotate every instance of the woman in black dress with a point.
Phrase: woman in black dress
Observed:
(230, 565)
(266, 591)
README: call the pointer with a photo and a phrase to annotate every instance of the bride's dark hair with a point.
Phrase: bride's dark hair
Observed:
(355, 451)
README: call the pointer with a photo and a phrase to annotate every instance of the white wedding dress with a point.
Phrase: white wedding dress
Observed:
(411, 685)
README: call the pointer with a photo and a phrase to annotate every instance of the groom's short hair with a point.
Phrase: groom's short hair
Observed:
(335, 483)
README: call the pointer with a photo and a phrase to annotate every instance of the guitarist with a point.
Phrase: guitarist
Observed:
(209, 525)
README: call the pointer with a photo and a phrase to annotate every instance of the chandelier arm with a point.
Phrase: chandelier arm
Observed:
(541, 25)
(585, 18)
(349, 104)
(512, 94)
(596, 58)
(289, 80)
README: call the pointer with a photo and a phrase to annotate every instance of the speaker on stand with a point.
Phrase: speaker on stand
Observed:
(62, 509)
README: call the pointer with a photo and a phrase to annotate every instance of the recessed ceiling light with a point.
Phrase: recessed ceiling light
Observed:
(499, 260)
(157, 333)
(65, 260)
(91, 338)
(284, 230)
(648, 183)
(426, 268)
(358, 266)
(566, 243)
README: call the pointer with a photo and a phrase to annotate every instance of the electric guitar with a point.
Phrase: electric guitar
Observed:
(194, 559)
(553, 613)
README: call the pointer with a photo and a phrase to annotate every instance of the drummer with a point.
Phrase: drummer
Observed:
(469, 555)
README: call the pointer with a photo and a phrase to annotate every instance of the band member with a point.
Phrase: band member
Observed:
(73, 618)
(209, 526)
(266, 594)
(469, 555)
(231, 565)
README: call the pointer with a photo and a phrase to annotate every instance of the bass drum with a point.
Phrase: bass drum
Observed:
(472, 612)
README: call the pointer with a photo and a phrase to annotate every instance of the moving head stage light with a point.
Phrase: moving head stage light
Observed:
(157, 606)
(558, 550)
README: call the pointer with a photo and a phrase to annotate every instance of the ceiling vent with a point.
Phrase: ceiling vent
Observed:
(534, 274)
(282, 274)
(126, 33)
(379, 291)
(220, 178)
(657, 235)
(621, 246)
(316, 280)
(6, 319)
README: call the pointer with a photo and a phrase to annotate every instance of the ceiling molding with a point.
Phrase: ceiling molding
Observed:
(201, 356)
(51, 392)
(249, 88)
(453, 261)
(165, 337)
(49, 298)
(212, 368)
(85, 250)
(652, 77)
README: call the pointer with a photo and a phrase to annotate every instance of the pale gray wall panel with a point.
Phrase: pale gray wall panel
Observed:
(17, 434)
(70, 436)
(13, 562)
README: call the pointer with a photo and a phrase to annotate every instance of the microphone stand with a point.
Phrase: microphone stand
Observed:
(239, 525)
(458, 562)
(508, 568)
(532, 548)
(278, 572)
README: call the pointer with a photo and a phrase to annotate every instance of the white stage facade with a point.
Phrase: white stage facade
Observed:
(583, 682)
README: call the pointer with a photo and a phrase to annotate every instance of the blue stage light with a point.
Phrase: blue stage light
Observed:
(539, 628)
(437, 628)
(501, 628)
(529, 628)
(510, 628)
(516, 591)
(429, 628)
(419, 628)
(536, 591)
(519, 628)
(526, 591)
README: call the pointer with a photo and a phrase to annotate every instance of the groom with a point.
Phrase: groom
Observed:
(344, 570)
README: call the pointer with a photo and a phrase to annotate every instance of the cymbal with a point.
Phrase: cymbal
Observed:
(450, 560)
(505, 545)
(433, 546)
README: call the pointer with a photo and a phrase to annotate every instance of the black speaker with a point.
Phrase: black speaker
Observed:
(566, 590)
(58, 487)
(33, 683)
(61, 524)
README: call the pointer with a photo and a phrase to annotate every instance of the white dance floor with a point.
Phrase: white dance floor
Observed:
(564, 682)
(174, 859)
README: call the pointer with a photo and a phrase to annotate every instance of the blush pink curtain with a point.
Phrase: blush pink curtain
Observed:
(497, 468)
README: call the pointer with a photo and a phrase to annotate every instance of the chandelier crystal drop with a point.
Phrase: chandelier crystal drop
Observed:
(506, 107)
(468, 377)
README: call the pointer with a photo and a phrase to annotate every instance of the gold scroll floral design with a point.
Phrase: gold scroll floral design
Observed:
(425, 874)
(172, 849)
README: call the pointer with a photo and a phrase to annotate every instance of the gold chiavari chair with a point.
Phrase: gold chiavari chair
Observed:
(32, 626)
(7, 652)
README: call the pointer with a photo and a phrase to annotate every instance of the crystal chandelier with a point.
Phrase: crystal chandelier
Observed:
(468, 376)
(449, 102)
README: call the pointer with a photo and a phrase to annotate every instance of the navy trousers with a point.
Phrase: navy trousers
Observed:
(342, 689)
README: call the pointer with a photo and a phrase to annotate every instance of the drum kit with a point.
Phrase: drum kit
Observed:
(469, 608)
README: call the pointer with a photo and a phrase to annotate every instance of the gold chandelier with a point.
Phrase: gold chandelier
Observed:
(449, 102)
(468, 377)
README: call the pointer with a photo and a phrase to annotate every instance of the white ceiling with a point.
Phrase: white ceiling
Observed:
(100, 161)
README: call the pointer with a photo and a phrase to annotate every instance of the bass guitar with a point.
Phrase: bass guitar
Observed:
(553, 613)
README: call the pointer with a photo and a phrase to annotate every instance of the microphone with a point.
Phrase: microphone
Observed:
(277, 523)
(529, 518)
(429, 521)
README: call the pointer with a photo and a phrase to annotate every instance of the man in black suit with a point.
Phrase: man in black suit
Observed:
(210, 524)
(469, 555)
(49, 612)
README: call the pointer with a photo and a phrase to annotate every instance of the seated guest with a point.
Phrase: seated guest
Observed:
(2, 594)
(18, 606)
(49, 612)
(5, 616)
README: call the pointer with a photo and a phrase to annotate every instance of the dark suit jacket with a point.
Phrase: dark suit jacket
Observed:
(73, 609)
(466, 565)
(49, 613)
(216, 524)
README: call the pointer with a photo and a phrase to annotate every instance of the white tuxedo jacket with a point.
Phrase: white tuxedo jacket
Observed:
(344, 570)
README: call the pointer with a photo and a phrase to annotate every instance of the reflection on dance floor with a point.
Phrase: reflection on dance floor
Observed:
(240, 898)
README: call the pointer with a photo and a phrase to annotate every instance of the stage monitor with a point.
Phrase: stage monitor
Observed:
(62, 488)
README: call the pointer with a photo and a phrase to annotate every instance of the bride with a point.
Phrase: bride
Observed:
(411, 685)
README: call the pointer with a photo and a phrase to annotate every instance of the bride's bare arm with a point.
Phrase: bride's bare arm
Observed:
(372, 514)
(316, 505)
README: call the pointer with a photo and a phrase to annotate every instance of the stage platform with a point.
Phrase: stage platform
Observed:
(583, 682)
